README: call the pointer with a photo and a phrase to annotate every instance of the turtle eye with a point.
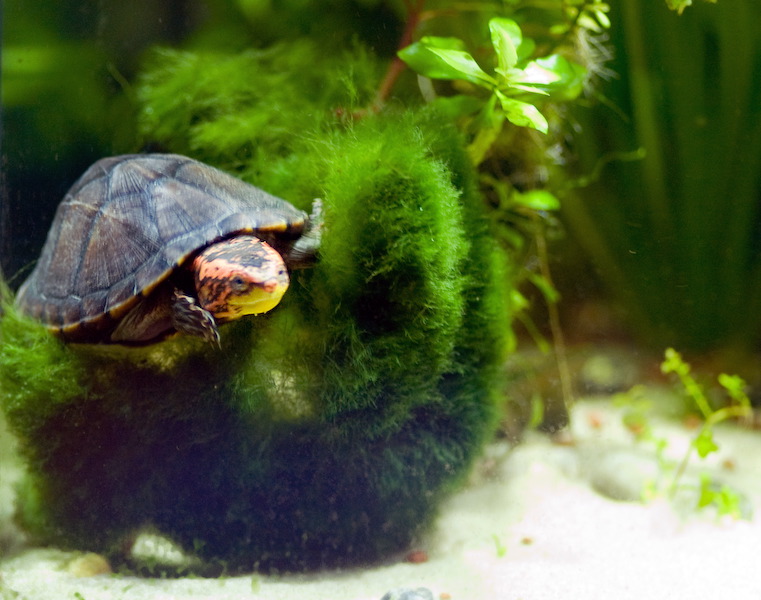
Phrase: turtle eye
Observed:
(238, 284)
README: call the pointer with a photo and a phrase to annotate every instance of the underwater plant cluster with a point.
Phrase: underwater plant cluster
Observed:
(326, 432)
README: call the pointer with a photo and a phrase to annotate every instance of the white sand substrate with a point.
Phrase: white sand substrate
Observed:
(538, 521)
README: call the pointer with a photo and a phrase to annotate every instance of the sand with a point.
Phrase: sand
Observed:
(542, 520)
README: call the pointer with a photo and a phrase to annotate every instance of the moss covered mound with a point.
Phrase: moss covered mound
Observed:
(322, 434)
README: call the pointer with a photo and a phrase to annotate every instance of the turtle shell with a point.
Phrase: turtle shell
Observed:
(128, 224)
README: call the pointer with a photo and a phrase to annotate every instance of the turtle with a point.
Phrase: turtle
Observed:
(147, 246)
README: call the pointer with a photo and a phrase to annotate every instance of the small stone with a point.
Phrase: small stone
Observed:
(409, 594)
(89, 565)
(416, 557)
(607, 373)
(153, 548)
(621, 474)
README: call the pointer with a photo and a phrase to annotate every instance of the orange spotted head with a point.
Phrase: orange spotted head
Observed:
(240, 276)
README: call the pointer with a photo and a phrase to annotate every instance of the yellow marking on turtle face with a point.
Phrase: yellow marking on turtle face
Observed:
(257, 301)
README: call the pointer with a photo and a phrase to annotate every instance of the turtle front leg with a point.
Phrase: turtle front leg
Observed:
(190, 318)
(303, 253)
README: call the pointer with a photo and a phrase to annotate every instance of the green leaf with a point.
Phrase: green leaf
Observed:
(449, 43)
(511, 238)
(487, 124)
(437, 58)
(549, 292)
(535, 75)
(464, 66)
(704, 443)
(569, 77)
(518, 301)
(537, 200)
(458, 106)
(483, 140)
(735, 386)
(673, 363)
(506, 36)
(501, 548)
(522, 113)
(728, 503)
(537, 411)
(420, 58)
(678, 5)
(595, 19)
(707, 493)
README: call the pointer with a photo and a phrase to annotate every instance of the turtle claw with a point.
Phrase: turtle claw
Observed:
(190, 318)
(304, 250)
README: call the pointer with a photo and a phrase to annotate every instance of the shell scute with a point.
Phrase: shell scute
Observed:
(94, 303)
(236, 222)
(115, 249)
(66, 310)
(155, 269)
(179, 208)
(74, 220)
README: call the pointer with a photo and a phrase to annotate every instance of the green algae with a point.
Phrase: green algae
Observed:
(323, 434)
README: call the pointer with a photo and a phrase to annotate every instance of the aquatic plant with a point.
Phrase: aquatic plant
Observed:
(529, 81)
(517, 77)
(680, 5)
(674, 235)
(638, 411)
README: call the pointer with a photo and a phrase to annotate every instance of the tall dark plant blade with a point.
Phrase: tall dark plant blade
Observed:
(676, 235)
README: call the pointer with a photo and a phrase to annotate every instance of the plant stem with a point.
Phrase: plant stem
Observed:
(558, 339)
(397, 66)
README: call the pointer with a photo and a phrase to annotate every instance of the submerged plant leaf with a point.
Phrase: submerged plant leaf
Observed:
(549, 291)
(680, 5)
(724, 499)
(531, 79)
(537, 200)
(443, 58)
(522, 113)
(446, 58)
(508, 41)
(537, 73)
(735, 386)
(464, 64)
(506, 36)
(458, 106)
(488, 124)
(569, 77)
(704, 443)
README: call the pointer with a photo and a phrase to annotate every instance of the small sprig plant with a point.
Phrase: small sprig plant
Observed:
(516, 84)
(680, 5)
(636, 418)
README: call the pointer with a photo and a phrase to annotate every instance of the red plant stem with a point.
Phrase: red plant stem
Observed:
(397, 66)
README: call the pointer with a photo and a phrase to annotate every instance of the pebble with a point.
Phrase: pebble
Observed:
(409, 594)
(417, 557)
(89, 565)
(621, 474)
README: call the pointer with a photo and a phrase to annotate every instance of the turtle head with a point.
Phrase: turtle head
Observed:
(240, 276)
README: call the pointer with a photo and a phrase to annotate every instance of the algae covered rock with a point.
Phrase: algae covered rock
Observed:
(322, 434)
